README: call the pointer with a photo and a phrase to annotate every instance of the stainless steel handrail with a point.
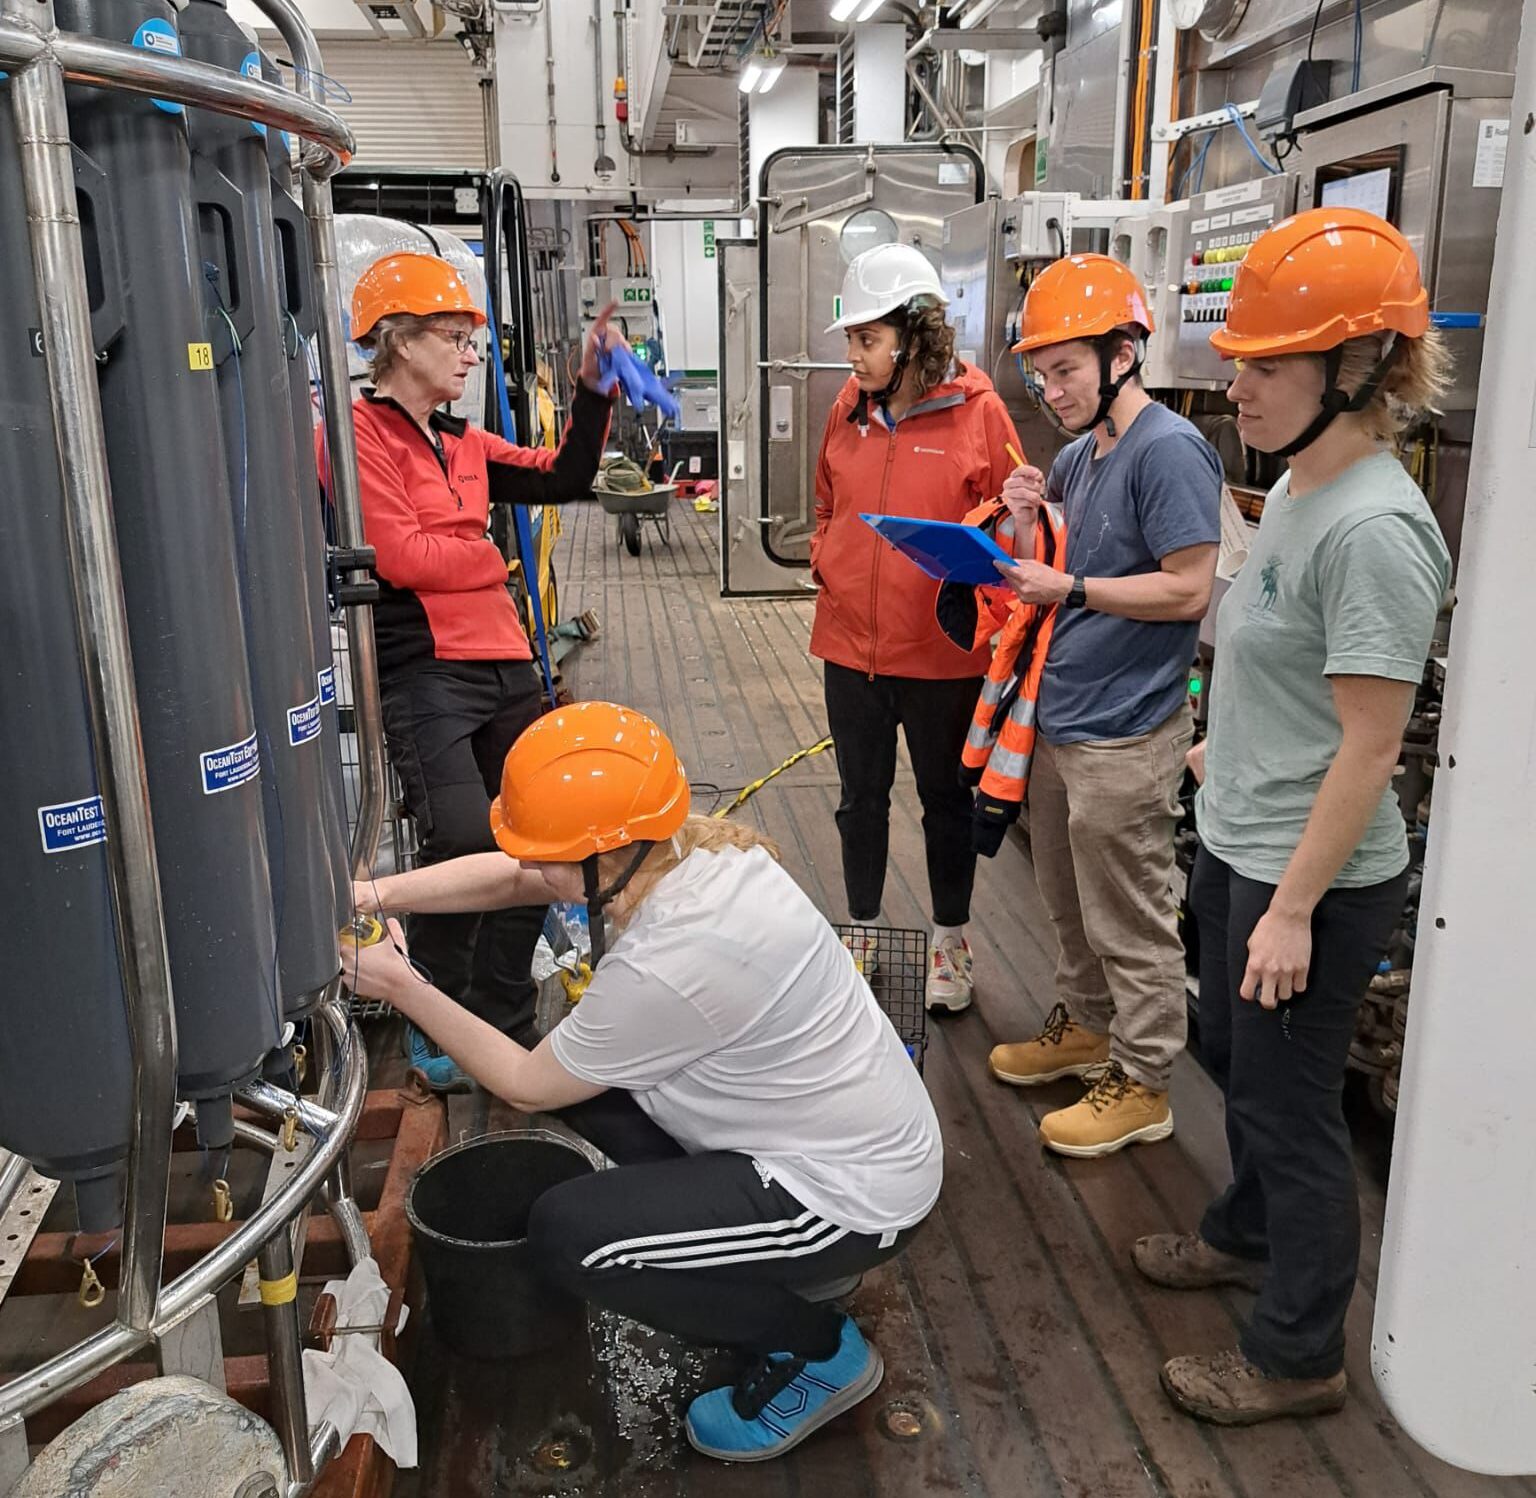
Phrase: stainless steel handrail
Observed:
(101, 630)
(91, 60)
(31, 1391)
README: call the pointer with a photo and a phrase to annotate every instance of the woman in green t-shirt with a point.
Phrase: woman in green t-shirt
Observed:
(1302, 872)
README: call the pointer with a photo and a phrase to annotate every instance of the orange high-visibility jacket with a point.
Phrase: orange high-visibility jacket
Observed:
(1001, 743)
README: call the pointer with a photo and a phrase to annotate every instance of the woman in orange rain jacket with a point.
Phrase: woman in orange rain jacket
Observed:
(912, 433)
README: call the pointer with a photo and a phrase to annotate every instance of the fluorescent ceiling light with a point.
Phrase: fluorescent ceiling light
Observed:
(760, 72)
(773, 69)
(842, 10)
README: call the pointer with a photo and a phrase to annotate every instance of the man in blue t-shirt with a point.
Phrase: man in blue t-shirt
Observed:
(1140, 491)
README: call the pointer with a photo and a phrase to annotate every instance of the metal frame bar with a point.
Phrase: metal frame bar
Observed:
(69, 1370)
(41, 59)
(1212, 119)
(26, 38)
(101, 630)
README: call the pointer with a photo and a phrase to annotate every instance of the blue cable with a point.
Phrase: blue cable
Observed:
(524, 530)
(1236, 117)
(1195, 169)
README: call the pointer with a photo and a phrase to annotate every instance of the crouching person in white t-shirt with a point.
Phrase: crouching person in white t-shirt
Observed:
(771, 1133)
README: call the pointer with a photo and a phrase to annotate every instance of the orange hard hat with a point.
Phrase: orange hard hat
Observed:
(1318, 279)
(587, 779)
(423, 285)
(1082, 296)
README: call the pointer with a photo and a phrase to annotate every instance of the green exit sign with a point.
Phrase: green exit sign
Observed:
(637, 294)
(709, 239)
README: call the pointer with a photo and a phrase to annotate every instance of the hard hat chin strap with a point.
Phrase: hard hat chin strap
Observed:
(1109, 386)
(1335, 402)
(598, 898)
(859, 416)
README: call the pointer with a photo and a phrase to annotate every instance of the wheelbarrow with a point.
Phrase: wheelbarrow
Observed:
(633, 510)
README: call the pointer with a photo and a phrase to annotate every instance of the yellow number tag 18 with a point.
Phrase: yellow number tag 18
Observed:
(199, 356)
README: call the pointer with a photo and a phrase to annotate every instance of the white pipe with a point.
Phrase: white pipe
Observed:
(1456, 1302)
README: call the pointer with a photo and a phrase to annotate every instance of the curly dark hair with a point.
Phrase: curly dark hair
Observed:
(931, 344)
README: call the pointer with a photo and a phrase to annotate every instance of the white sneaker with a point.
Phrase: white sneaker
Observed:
(863, 946)
(949, 975)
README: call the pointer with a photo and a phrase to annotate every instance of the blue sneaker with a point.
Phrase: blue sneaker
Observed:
(782, 1399)
(439, 1070)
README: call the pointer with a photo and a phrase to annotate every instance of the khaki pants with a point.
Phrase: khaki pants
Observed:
(1101, 820)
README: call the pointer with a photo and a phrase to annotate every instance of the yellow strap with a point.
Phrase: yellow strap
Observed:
(279, 1292)
(794, 759)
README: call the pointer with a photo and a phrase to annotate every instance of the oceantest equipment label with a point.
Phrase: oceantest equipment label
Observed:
(304, 722)
(72, 824)
(224, 769)
(327, 681)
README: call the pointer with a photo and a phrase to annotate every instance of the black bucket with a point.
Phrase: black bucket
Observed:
(468, 1209)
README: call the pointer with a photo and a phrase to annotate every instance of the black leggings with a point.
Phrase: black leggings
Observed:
(863, 715)
(706, 1247)
(1292, 1200)
(449, 725)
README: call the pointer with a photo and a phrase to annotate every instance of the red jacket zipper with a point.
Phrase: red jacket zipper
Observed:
(874, 575)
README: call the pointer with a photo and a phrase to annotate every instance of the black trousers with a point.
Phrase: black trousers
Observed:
(1292, 1200)
(863, 717)
(705, 1247)
(449, 725)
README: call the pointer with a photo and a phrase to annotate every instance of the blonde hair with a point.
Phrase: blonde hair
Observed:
(696, 835)
(1419, 375)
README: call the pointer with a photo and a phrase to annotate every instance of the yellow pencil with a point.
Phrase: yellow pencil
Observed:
(1013, 453)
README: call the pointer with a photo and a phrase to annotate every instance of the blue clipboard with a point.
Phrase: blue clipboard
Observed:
(944, 549)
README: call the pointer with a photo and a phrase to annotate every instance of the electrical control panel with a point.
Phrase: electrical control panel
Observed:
(1037, 226)
(1218, 231)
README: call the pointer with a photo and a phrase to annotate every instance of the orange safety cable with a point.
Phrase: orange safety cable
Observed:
(1139, 108)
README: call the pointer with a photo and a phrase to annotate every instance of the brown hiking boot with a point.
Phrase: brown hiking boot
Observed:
(1185, 1261)
(1226, 1389)
(1062, 1049)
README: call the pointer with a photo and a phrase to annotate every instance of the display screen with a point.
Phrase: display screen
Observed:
(1366, 182)
(1371, 191)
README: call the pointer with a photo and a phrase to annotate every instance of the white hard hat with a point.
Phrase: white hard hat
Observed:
(883, 279)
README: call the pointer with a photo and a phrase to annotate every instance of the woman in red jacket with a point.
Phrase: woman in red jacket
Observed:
(912, 433)
(456, 673)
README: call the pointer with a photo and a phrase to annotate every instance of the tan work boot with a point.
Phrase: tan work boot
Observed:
(1227, 1389)
(1116, 1112)
(1063, 1049)
(1185, 1261)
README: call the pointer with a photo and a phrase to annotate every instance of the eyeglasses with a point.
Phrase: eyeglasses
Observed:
(456, 336)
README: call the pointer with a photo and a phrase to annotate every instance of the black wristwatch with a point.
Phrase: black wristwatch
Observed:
(1077, 595)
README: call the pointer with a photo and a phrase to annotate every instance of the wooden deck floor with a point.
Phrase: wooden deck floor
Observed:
(1021, 1347)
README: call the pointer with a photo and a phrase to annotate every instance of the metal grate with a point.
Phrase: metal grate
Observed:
(899, 980)
(729, 28)
(845, 86)
(748, 188)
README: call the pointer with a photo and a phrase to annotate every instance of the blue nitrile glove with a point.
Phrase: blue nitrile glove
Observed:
(640, 385)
